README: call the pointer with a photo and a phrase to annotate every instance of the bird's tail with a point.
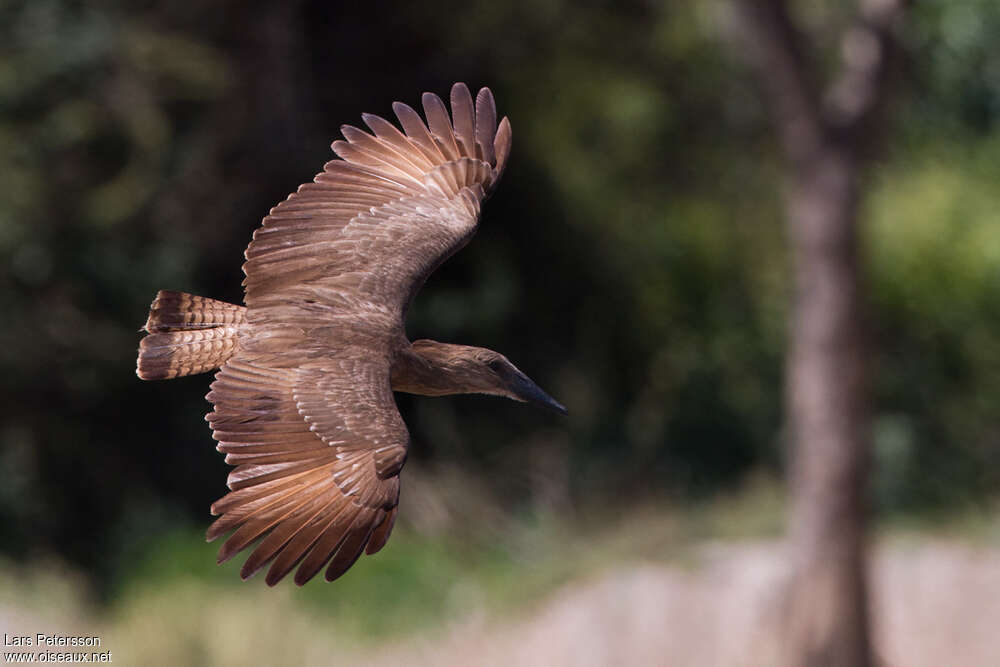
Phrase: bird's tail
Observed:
(188, 334)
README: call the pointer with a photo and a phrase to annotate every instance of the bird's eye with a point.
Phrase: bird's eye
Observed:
(495, 365)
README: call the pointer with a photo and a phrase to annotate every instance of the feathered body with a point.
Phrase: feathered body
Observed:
(304, 407)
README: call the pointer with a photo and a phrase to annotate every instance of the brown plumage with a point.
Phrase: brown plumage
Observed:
(304, 408)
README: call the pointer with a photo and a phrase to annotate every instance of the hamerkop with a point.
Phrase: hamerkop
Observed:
(303, 399)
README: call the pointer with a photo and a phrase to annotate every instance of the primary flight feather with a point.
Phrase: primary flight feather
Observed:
(304, 405)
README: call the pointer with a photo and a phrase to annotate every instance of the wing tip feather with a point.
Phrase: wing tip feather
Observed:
(502, 144)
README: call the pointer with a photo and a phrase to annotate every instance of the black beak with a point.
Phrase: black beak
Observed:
(524, 389)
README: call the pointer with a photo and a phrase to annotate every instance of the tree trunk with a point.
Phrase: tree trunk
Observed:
(822, 129)
(826, 400)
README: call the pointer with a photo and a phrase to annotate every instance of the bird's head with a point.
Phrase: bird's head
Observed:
(477, 370)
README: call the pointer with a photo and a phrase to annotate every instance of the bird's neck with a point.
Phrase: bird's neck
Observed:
(431, 369)
(414, 373)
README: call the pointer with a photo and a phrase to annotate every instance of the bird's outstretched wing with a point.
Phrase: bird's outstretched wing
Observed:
(313, 498)
(305, 409)
(365, 234)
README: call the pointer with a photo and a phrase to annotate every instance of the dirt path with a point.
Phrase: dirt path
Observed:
(934, 604)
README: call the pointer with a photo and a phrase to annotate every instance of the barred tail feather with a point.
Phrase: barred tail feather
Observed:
(188, 335)
(179, 311)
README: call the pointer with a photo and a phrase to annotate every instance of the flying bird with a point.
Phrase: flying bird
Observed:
(303, 399)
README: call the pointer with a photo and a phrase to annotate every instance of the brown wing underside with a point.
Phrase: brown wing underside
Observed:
(305, 409)
(312, 500)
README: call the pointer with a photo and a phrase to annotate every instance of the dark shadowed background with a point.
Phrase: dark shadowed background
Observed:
(632, 262)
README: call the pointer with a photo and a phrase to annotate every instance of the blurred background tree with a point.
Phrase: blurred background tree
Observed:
(632, 261)
(826, 126)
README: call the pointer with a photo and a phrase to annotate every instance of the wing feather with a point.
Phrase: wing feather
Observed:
(257, 524)
(501, 144)
(403, 145)
(464, 116)
(247, 510)
(270, 456)
(357, 155)
(382, 532)
(353, 545)
(440, 126)
(405, 160)
(333, 533)
(486, 124)
(301, 544)
(417, 132)
(280, 538)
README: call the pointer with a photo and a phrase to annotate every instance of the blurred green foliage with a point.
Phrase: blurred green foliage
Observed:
(632, 261)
